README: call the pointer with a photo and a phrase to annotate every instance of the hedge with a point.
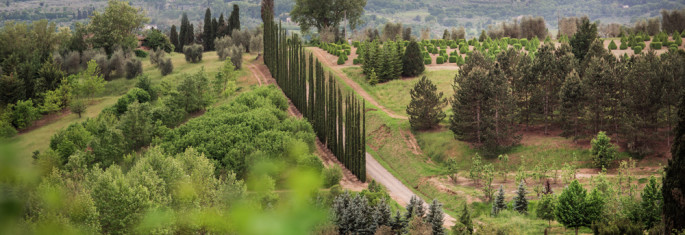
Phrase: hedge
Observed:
(624, 46)
(518, 46)
(637, 49)
(655, 45)
(612, 45)
(356, 61)
(440, 60)
(140, 53)
(453, 59)
(348, 51)
(427, 61)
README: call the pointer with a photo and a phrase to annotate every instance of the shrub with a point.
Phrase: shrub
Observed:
(453, 59)
(427, 61)
(348, 52)
(426, 55)
(236, 55)
(435, 50)
(165, 66)
(221, 45)
(355, 44)
(612, 45)
(140, 53)
(156, 56)
(7, 130)
(78, 107)
(117, 62)
(655, 45)
(133, 68)
(193, 53)
(24, 113)
(637, 49)
(440, 60)
(341, 59)
(624, 46)
(72, 62)
(356, 61)
(463, 49)
(332, 176)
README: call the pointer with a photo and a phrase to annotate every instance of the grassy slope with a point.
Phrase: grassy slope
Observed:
(38, 139)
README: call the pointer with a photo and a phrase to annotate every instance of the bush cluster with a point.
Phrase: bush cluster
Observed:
(193, 53)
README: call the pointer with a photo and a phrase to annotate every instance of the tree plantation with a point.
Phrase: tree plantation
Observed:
(342, 117)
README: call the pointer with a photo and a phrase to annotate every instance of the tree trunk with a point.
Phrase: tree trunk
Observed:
(478, 121)
(576, 230)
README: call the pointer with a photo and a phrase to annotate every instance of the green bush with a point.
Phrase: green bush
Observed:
(356, 61)
(165, 66)
(612, 45)
(331, 176)
(655, 45)
(24, 113)
(624, 46)
(348, 51)
(133, 68)
(464, 49)
(602, 150)
(427, 60)
(453, 59)
(440, 60)
(426, 54)
(140, 53)
(637, 49)
(341, 59)
(518, 46)
(355, 44)
(435, 50)
(193, 53)
(7, 130)
(638, 38)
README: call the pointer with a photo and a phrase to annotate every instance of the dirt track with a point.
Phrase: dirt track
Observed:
(358, 89)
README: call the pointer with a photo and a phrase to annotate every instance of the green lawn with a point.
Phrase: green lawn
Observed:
(39, 139)
(394, 94)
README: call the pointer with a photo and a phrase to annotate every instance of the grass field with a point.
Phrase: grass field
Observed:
(394, 94)
(38, 139)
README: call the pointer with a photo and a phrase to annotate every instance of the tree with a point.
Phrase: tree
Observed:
(602, 150)
(155, 39)
(674, 181)
(136, 125)
(575, 209)
(499, 204)
(520, 201)
(24, 113)
(425, 109)
(234, 19)
(173, 37)
(89, 82)
(651, 205)
(412, 61)
(323, 14)
(183, 34)
(452, 169)
(208, 33)
(583, 38)
(545, 208)
(571, 97)
(465, 220)
(434, 217)
(116, 25)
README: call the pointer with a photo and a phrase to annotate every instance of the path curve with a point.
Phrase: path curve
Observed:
(395, 187)
(356, 87)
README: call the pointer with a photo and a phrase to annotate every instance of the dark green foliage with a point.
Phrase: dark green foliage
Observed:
(674, 181)
(520, 201)
(342, 59)
(427, 61)
(624, 46)
(453, 59)
(412, 64)
(435, 217)
(140, 53)
(585, 35)
(192, 93)
(465, 225)
(440, 60)
(234, 19)
(193, 53)
(7, 130)
(23, 113)
(612, 45)
(576, 209)
(571, 98)
(602, 150)
(649, 210)
(499, 204)
(621, 226)
(173, 39)
(331, 176)
(133, 68)
(133, 95)
(155, 39)
(545, 207)
(425, 109)
(637, 49)
(208, 33)
(165, 66)
(136, 125)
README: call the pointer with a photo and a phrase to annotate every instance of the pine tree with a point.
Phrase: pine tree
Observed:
(435, 217)
(207, 32)
(585, 35)
(544, 68)
(520, 201)
(412, 61)
(465, 219)
(571, 97)
(674, 181)
(499, 204)
(575, 209)
(425, 108)
(398, 224)
(651, 205)
(173, 37)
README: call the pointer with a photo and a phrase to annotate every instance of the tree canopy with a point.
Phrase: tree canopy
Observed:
(116, 25)
(323, 14)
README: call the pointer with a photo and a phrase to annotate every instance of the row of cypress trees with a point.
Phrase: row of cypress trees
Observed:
(337, 118)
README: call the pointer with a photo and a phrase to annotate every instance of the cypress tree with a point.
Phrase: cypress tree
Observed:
(412, 61)
(182, 37)
(221, 27)
(207, 34)
(234, 18)
(674, 181)
(173, 37)
(520, 201)
(190, 35)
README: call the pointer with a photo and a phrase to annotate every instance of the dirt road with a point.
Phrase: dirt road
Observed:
(398, 191)
(356, 87)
